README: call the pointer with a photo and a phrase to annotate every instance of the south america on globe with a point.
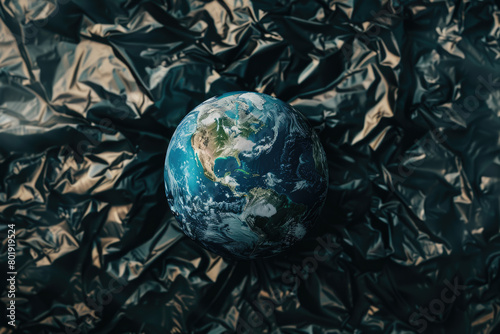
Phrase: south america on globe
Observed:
(245, 175)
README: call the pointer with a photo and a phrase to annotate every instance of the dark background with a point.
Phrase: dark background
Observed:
(404, 95)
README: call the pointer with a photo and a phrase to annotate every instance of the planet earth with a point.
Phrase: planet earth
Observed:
(245, 175)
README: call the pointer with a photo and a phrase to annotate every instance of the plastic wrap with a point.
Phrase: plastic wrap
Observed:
(404, 96)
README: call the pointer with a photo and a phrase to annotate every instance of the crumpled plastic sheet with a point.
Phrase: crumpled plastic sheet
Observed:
(405, 96)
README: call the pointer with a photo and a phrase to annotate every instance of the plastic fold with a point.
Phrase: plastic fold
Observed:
(404, 95)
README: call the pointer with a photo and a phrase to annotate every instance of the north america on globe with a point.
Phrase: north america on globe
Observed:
(245, 175)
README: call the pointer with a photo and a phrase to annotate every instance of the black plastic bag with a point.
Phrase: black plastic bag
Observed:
(404, 95)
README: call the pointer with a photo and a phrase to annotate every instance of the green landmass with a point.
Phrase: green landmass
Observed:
(217, 140)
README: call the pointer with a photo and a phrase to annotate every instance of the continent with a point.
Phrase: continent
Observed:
(221, 136)
(270, 214)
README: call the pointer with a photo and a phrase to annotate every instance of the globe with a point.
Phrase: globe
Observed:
(245, 175)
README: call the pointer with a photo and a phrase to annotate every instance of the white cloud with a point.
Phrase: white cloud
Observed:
(257, 101)
(242, 144)
(271, 180)
(262, 210)
(300, 185)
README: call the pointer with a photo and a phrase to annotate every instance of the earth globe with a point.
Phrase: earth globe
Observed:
(245, 175)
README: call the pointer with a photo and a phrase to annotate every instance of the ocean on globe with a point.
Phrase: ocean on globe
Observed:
(245, 175)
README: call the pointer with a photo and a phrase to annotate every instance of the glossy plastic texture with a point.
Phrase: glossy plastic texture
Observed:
(404, 95)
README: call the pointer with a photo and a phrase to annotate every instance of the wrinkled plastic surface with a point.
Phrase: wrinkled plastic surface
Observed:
(405, 97)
